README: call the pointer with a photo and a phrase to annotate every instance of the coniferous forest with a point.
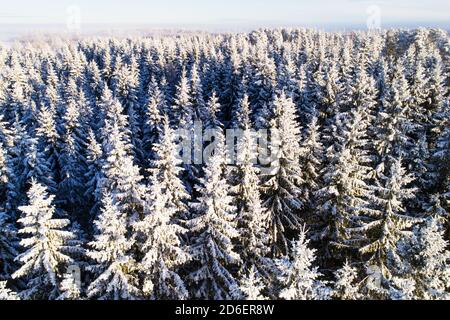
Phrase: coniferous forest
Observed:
(98, 202)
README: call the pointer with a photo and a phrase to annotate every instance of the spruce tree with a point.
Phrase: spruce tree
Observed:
(46, 245)
(113, 266)
(299, 279)
(282, 180)
(213, 230)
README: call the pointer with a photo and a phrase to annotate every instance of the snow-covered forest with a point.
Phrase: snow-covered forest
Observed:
(97, 203)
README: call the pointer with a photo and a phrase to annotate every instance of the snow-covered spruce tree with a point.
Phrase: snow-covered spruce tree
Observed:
(252, 285)
(167, 170)
(384, 227)
(212, 110)
(262, 70)
(282, 180)
(8, 245)
(438, 120)
(33, 163)
(346, 286)
(299, 279)
(165, 205)
(127, 92)
(430, 261)
(154, 108)
(15, 89)
(363, 93)
(392, 123)
(181, 112)
(163, 252)
(69, 289)
(93, 175)
(232, 79)
(311, 161)
(113, 266)
(197, 95)
(213, 230)
(10, 178)
(327, 93)
(241, 114)
(7, 294)
(72, 160)
(252, 218)
(49, 139)
(120, 177)
(344, 184)
(46, 246)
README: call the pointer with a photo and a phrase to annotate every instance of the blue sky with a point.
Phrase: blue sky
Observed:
(227, 12)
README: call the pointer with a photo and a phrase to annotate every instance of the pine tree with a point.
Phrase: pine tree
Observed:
(213, 230)
(46, 245)
(113, 266)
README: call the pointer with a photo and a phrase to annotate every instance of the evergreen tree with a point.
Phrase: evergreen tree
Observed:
(162, 249)
(93, 175)
(167, 170)
(252, 217)
(430, 262)
(282, 181)
(346, 286)
(113, 265)
(46, 245)
(386, 226)
(120, 177)
(345, 189)
(213, 230)
(69, 288)
(299, 279)
(251, 285)
(7, 294)
(153, 128)
(181, 113)
(311, 161)
(8, 246)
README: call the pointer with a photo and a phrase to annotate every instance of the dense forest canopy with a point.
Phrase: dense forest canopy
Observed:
(96, 201)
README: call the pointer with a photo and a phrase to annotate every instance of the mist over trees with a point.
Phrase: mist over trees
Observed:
(353, 203)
